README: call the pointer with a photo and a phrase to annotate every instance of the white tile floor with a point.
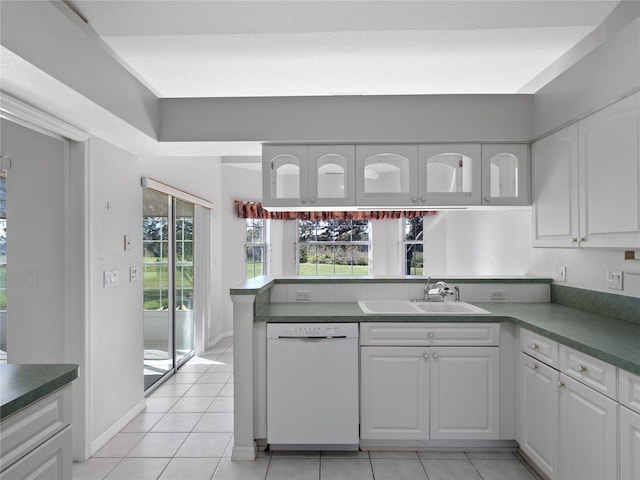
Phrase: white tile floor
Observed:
(186, 433)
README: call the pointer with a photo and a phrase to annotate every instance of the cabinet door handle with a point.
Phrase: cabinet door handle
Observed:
(582, 368)
(414, 199)
(534, 366)
(425, 356)
(423, 199)
(487, 199)
(574, 240)
(560, 383)
(435, 355)
(430, 335)
(303, 199)
(312, 199)
(535, 346)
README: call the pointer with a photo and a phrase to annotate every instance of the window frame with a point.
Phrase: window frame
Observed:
(250, 225)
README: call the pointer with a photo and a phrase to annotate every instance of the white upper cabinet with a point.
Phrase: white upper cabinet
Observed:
(308, 175)
(586, 181)
(386, 175)
(505, 174)
(284, 175)
(449, 174)
(555, 186)
(332, 175)
(610, 175)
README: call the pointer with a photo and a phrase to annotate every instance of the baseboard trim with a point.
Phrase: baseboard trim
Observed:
(111, 432)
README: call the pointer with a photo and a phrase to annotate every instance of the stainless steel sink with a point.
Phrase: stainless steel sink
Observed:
(407, 307)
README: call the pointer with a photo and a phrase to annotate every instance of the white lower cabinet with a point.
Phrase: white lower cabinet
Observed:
(539, 415)
(465, 391)
(417, 393)
(588, 433)
(629, 444)
(394, 398)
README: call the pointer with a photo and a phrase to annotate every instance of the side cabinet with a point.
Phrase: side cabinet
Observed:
(629, 444)
(539, 414)
(394, 384)
(588, 433)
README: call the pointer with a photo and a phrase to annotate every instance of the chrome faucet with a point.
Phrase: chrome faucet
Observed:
(437, 292)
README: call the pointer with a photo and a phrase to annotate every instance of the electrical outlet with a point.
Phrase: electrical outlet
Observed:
(303, 295)
(562, 273)
(614, 279)
(497, 295)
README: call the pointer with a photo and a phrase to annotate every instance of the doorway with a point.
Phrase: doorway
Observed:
(168, 284)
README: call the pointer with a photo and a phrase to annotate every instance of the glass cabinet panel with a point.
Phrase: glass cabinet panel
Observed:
(285, 171)
(449, 174)
(331, 176)
(386, 175)
(505, 174)
(285, 176)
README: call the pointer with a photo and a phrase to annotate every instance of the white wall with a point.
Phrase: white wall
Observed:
(115, 324)
(238, 183)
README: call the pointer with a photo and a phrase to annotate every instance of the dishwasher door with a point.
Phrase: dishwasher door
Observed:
(312, 386)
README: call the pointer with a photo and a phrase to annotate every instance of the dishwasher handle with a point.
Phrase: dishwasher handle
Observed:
(304, 337)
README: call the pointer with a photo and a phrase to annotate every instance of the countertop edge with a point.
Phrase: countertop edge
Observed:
(27, 398)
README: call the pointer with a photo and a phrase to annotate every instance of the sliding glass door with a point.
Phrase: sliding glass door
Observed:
(167, 225)
(183, 267)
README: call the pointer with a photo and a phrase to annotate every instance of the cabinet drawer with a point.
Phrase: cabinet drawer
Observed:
(539, 347)
(34, 425)
(629, 390)
(427, 334)
(595, 373)
(50, 461)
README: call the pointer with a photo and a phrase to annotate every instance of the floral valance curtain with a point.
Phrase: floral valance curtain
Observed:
(255, 210)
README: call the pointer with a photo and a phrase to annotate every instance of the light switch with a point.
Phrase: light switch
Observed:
(133, 274)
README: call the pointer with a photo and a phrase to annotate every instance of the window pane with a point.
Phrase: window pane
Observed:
(330, 250)
(413, 228)
(414, 261)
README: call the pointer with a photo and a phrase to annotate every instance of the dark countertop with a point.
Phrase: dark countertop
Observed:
(610, 339)
(21, 385)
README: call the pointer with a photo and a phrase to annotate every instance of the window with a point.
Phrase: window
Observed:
(413, 244)
(254, 247)
(334, 247)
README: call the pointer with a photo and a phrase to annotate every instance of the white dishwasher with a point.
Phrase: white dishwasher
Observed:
(312, 386)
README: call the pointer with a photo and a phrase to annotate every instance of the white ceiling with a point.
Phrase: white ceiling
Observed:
(282, 48)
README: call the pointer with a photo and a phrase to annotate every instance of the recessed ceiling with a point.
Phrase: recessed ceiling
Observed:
(308, 48)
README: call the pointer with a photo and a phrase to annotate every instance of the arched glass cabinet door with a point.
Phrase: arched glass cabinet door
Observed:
(386, 175)
(505, 174)
(449, 174)
(331, 175)
(286, 182)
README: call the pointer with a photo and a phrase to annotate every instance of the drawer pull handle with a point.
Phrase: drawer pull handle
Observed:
(430, 335)
(582, 368)
(535, 346)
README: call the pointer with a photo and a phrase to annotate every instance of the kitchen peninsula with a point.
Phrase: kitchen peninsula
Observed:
(603, 339)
